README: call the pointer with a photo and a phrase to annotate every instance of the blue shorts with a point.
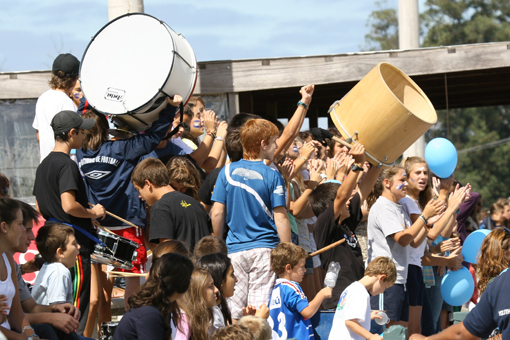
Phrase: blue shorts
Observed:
(415, 285)
(395, 301)
(309, 265)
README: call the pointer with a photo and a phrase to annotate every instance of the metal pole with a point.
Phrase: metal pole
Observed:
(116, 8)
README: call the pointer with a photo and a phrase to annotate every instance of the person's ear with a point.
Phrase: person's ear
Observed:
(263, 144)
(3, 227)
(149, 184)
(60, 253)
(288, 268)
(387, 183)
(382, 277)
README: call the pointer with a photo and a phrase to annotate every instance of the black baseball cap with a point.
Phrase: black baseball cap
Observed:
(68, 64)
(64, 121)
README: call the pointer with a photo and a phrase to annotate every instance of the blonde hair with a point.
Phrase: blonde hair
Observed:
(258, 327)
(193, 304)
(181, 170)
(382, 265)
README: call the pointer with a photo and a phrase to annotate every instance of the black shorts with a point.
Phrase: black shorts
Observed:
(415, 285)
(395, 301)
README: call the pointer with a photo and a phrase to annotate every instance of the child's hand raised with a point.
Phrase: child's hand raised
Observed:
(326, 292)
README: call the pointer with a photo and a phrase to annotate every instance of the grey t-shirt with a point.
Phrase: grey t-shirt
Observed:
(385, 219)
(24, 293)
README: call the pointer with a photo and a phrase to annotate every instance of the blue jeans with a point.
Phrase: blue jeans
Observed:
(436, 300)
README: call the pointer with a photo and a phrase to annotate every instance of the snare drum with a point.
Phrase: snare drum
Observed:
(132, 64)
(119, 251)
(108, 329)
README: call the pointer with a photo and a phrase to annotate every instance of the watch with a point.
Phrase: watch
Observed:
(355, 167)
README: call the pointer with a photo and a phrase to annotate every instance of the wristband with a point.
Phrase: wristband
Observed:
(302, 104)
(26, 328)
(212, 134)
(424, 219)
(219, 138)
(303, 158)
(32, 337)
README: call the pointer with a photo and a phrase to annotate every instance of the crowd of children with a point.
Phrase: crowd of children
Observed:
(231, 221)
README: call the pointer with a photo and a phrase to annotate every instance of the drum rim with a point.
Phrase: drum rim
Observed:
(416, 88)
(133, 111)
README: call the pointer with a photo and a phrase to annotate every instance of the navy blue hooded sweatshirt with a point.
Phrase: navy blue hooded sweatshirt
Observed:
(107, 171)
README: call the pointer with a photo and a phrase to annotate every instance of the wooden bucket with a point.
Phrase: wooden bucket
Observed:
(386, 112)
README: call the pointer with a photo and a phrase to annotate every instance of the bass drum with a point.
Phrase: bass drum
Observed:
(131, 65)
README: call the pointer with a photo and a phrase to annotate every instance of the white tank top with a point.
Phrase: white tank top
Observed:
(7, 288)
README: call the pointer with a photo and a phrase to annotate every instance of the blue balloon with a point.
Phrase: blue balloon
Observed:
(457, 287)
(441, 157)
(472, 244)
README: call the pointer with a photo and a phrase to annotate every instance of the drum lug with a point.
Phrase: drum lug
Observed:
(349, 140)
(135, 255)
(114, 250)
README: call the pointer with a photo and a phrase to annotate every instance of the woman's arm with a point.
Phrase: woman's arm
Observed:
(17, 319)
(215, 155)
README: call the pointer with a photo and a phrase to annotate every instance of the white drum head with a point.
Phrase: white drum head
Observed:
(127, 63)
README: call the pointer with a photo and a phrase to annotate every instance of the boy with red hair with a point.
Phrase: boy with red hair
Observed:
(250, 197)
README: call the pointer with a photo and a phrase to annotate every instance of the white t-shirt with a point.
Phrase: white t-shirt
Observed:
(48, 105)
(354, 304)
(53, 285)
(415, 254)
(218, 319)
(385, 219)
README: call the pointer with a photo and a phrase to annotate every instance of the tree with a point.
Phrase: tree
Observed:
(453, 22)
(383, 25)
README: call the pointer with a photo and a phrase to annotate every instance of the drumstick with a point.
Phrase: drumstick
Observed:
(117, 273)
(117, 217)
(103, 228)
(341, 141)
(326, 248)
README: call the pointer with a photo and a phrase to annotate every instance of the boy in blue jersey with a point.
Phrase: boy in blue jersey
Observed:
(289, 310)
(250, 197)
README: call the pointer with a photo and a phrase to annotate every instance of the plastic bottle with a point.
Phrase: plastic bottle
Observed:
(332, 274)
(384, 319)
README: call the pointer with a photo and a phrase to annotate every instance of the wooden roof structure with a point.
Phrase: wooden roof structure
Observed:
(451, 76)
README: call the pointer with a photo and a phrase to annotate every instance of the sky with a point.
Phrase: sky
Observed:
(33, 33)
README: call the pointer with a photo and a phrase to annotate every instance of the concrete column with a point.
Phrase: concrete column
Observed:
(116, 8)
(233, 104)
(408, 38)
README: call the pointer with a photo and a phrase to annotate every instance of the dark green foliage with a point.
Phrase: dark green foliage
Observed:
(454, 22)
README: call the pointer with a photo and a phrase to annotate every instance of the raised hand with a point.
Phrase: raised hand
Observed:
(331, 168)
(306, 93)
(358, 153)
(175, 101)
(222, 129)
(210, 121)
(433, 208)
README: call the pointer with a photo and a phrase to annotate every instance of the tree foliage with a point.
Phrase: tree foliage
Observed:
(454, 22)
(383, 25)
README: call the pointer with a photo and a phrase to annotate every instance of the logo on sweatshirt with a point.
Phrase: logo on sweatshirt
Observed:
(185, 204)
(97, 174)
